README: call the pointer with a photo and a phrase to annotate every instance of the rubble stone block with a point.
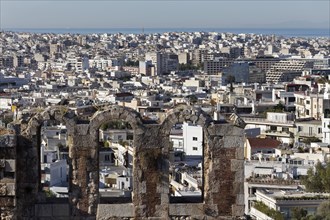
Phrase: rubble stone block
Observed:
(106, 211)
(10, 166)
(240, 199)
(11, 189)
(240, 153)
(237, 210)
(61, 210)
(8, 140)
(231, 141)
(239, 175)
(43, 210)
(3, 189)
(7, 201)
(186, 209)
(237, 165)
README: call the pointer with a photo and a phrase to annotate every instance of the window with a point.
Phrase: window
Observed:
(291, 99)
(194, 138)
(319, 130)
(308, 102)
(107, 157)
(307, 112)
(195, 148)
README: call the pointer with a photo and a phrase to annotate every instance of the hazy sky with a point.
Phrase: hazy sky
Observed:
(162, 13)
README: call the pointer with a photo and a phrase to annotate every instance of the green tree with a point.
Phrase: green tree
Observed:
(104, 126)
(106, 144)
(318, 180)
(262, 207)
(324, 210)
(277, 108)
(326, 178)
(187, 66)
(298, 213)
(192, 98)
(310, 139)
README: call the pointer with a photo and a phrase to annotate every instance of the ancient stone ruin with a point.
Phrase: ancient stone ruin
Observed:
(20, 192)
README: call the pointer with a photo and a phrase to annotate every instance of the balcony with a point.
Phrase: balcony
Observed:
(308, 134)
(287, 134)
(264, 121)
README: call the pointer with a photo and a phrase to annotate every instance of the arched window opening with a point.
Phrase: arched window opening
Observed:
(186, 163)
(116, 162)
(54, 166)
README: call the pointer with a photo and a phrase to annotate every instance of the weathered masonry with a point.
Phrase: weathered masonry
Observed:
(20, 192)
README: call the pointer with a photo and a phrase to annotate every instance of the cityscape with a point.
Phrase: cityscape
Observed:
(164, 123)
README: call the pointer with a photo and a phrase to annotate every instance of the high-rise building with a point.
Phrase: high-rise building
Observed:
(171, 62)
(146, 68)
(54, 49)
(157, 61)
(18, 60)
(184, 58)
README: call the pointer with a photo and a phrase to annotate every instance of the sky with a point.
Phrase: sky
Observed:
(165, 14)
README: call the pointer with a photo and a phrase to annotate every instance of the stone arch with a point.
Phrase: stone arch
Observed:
(113, 112)
(181, 114)
(28, 183)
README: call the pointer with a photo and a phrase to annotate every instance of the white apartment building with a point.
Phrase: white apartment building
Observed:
(284, 200)
(277, 125)
(189, 139)
(193, 139)
(326, 115)
(308, 105)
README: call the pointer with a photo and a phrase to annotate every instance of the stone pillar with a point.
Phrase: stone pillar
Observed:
(224, 171)
(84, 182)
(150, 175)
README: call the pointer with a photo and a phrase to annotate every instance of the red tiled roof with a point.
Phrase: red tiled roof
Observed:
(256, 143)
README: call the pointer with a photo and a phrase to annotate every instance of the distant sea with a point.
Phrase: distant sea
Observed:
(285, 32)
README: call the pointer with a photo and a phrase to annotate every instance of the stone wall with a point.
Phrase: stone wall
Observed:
(7, 174)
(223, 196)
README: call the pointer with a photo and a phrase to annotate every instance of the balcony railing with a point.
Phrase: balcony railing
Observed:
(307, 134)
(278, 133)
(259, 215)
(266, 121)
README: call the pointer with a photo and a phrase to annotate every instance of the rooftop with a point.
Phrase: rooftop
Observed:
(257, 143)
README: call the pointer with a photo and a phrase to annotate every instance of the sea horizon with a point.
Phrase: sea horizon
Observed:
(285, 32)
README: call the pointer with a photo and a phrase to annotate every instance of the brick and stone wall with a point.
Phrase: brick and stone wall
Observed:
(223, 196)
